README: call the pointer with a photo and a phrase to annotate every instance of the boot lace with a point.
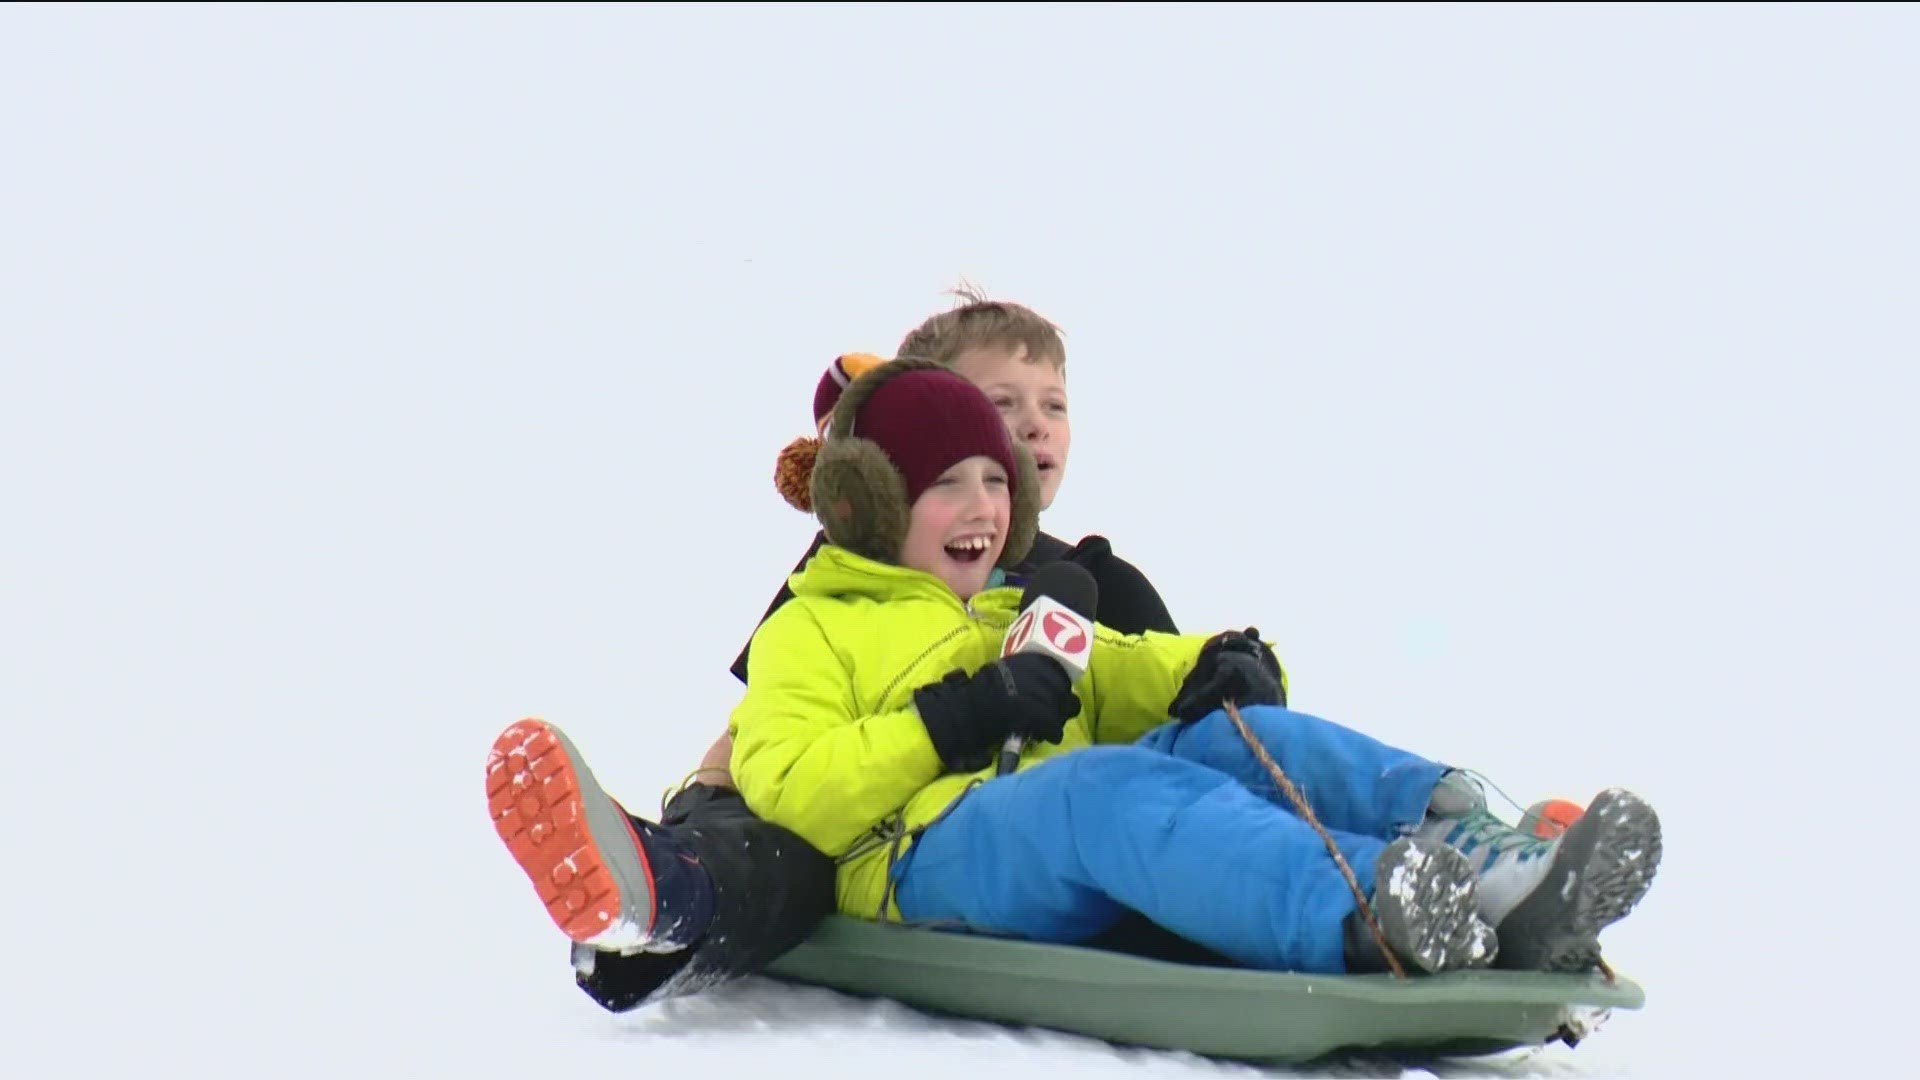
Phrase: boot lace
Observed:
(1479, 828)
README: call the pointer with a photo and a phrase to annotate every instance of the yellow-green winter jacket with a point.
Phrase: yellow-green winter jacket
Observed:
(827, 741)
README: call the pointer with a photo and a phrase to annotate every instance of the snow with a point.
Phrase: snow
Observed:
(1537, 379)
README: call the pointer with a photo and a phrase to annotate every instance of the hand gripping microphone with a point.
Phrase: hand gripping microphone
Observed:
(1056, 618)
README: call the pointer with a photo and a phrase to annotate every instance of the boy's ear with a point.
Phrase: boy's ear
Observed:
(1023, 523)
(861, 499)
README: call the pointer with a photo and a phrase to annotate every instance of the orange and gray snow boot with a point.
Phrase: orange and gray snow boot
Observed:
(610, 881)
(1549, 899)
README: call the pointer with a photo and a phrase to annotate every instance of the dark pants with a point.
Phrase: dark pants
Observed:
(770, 890)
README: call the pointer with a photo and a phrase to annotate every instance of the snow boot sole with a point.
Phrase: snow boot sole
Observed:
(570, 838)
(1424, 897)
(1604, 866)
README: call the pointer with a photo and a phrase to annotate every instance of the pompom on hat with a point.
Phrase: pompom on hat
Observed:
(793, 472)
(887, 430)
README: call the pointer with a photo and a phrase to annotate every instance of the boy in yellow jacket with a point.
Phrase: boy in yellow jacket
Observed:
(877, 698)
(877, 691)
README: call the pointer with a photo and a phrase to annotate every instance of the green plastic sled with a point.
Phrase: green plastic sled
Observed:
(1222, 1012)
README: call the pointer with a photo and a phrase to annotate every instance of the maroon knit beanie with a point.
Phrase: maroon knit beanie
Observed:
(888, 434)
(928, 421)
(834, 381)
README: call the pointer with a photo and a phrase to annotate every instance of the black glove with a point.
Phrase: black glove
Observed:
(1235, 665)
(970, 716)
(1128, 601)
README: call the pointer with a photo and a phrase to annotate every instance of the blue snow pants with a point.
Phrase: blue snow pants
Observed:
(1185, 827)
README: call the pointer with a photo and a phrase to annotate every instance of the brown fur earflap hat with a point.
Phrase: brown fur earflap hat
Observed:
(888, 436)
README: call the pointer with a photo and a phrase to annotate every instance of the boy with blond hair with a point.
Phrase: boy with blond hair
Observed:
(735, 891)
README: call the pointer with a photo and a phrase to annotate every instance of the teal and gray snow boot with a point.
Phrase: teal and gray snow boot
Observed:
(1549, 899)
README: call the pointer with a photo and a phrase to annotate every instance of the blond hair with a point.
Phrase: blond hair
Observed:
(980, 323)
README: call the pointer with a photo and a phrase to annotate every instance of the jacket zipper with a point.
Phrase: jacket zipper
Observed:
(972, 617)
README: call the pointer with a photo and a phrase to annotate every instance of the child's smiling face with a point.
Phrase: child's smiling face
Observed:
(958, 527)
(1031, 397)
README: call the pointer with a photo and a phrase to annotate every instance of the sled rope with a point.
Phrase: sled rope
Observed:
(1300, 803)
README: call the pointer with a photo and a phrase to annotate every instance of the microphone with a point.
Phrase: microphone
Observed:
(1056, 619)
